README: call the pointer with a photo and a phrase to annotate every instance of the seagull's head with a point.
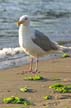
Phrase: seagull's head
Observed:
(24, 20)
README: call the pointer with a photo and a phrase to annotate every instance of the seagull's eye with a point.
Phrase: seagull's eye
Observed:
(26, 18)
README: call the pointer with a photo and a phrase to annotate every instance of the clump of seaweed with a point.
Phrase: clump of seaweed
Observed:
(16, 100)
(24, 89)
(34, 78)
(61, 88)
(65, 55)
(47, 97)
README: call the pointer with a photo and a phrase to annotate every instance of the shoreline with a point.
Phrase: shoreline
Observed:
(25, 61)
(11, 80)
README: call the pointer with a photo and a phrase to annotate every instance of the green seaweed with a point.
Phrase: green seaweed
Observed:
(61, 88)
(34, 78)
(15, 100)
(24, 89)
(47, 97)
(65, 55)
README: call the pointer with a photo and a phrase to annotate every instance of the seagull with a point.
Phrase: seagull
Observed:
(35, 43)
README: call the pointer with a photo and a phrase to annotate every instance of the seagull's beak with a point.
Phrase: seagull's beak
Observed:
(19, 23)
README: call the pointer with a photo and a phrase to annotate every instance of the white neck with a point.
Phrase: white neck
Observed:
(24, 34)
(23, 28)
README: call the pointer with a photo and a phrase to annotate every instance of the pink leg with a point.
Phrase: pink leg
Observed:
(30, 67)
(36, 67)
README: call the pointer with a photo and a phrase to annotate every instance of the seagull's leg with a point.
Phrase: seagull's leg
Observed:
(30, 67)
(36, 67)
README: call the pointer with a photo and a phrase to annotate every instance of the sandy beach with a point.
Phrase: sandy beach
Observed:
(53, 71)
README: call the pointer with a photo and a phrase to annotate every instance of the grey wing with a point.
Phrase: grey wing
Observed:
(43, 41)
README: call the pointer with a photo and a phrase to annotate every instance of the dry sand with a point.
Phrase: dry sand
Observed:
(54, 71)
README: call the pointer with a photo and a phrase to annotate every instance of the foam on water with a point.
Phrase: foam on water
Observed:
(10, 57)
(11, 51)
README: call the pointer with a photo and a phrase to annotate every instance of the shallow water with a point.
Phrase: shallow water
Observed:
(53, 17)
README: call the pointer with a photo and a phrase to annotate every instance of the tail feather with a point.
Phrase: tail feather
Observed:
(64, 48)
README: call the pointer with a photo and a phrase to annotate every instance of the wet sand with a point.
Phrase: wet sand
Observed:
(54, 71)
